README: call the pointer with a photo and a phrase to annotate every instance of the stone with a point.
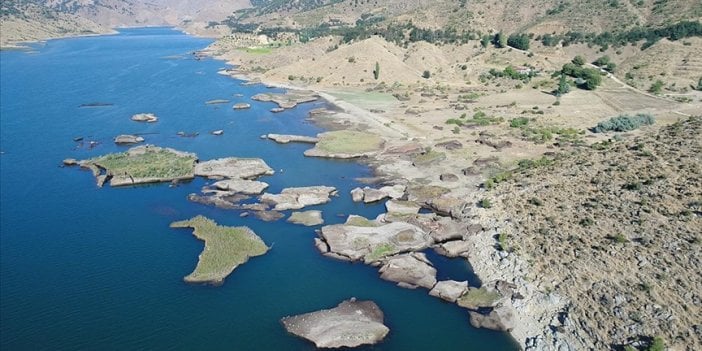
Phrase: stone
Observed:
(450, 145)
(297, 198)
(241, 186)
(145, 117)
(449, 290)
(352, 323)
(448, 177)
(307, 218)
(501, 318)
(413, 269)
(233, 167)
(128, 139)
(285, 138)
(357, 195)
(361, 239)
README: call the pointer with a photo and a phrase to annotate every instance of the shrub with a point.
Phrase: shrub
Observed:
(624, 123)
(518, 122)
(657, 345)
(426, 74)
(656, 87)
(376, 71)
(578, 60)
(500, 40)
(485, 203)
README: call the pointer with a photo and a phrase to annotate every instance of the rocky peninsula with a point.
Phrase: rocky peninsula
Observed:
(225, 249)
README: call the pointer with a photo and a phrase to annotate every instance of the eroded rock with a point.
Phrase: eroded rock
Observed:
(233, 167)
(297, 198)
(409, 270)
(449, 290)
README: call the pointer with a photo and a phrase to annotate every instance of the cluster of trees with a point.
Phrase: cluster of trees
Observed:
(605, 63)
(586, 78)
(512, 73)
(680, 30)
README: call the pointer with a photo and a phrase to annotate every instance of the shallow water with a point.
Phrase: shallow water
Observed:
(89, 268)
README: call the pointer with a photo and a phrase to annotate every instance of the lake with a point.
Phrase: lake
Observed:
(85, 268)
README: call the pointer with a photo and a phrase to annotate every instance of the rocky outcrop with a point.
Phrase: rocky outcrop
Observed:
(370, 195)
(217, 132)
(454, 248)
(289, 100)
(240, 186)
(70, 162)
(233, 167)
(363, 240)
(352, 323)
(409, 271)
(297, 198)
(128, 139)
(145, 117)
(307, 218)
(285, 138)
(401, 207)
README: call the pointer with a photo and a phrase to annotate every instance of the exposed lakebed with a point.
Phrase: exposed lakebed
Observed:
(86, 267)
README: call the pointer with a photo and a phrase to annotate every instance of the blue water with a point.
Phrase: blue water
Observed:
(88, 268)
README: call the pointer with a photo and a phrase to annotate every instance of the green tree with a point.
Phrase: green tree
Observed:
(485, 40)
(563, 86)
(519, 41)
(500, 40)
(376, 71)
(578, 60)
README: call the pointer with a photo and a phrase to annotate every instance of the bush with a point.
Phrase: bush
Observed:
(518, 122)
(485, 203)
(426, 74)
(500, 40)
(624, 123)
(376, 71)
(657, 345)
(656, 87)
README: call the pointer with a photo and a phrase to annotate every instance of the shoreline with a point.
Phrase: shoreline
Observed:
(534, 318)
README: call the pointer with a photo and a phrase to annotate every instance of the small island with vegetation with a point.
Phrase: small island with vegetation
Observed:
(225, 249)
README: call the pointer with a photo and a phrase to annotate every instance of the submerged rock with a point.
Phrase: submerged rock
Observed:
(297, 198)
(241, 106)
(307, 218)
(145, 117)
(225, 249)
(128, 139)
(284, 138)
(409, 270)
(352, 323)
(233, 167)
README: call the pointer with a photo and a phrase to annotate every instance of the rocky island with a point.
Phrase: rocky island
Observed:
(225, 249)
(352, 323)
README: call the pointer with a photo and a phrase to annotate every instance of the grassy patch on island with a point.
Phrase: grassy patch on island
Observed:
(225, 249)
(476, 298)
(349, 142)
(148, 162)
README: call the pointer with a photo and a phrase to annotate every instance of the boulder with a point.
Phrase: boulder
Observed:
(307, 218)
(447, 206)
(401, 207)
(410, 270)
(352, 323)
(128, 139)
(145, 117)
(217, 132)
(373, 195)
(454, 248)
(501, 318)
(449, 290)
(357, 195)
(445, 229)
(361, 239)
(277, 109)
(394, 191)
(450, 145)
(233, 167)
(241, 186)
(297, 198)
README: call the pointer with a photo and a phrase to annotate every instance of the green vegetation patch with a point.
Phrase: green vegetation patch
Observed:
(624, 123)
(358, 221)
(349, 142)
(477, 298)
(148, 162)
(259, 50)
(381, 251)
(543, 134)
(225, 249)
